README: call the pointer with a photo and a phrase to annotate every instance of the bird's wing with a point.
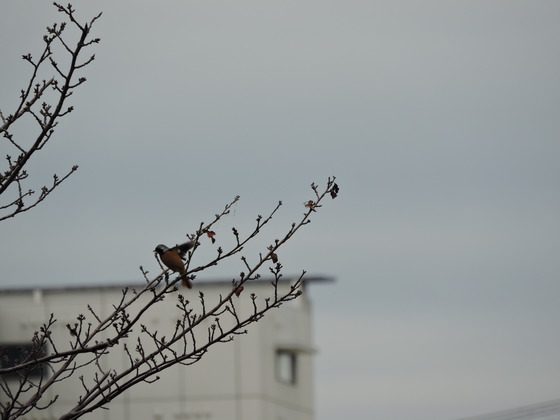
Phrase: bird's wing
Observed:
(183, 248)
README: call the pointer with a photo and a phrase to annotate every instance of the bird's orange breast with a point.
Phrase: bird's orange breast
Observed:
(173, 261)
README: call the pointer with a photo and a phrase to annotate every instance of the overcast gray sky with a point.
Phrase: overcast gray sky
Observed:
(440, 120)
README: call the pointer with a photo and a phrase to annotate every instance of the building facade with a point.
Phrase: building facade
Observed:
(266, 374)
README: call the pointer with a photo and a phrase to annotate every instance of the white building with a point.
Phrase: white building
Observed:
(266, 374)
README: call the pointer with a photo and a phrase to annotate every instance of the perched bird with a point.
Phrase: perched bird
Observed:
(173, 259)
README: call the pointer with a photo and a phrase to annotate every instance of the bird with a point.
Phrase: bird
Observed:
(173, 259)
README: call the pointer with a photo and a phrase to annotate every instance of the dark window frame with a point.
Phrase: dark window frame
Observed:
(286, 374)
(12, 354)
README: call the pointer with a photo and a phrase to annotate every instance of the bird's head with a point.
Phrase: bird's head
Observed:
(160, 249)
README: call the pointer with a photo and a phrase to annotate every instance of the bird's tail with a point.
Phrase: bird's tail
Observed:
(185, 281)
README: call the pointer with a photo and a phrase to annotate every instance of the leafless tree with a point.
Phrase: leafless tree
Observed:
(28, 382)
(199, 326)
(44, 102)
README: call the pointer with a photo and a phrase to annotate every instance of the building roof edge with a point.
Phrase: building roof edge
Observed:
(136, 284)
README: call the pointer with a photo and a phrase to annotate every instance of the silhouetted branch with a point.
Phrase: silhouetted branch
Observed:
(196, 330)
(28, 383)
(46, 110)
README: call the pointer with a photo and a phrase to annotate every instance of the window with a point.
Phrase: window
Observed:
(286, 366)
(13, 354)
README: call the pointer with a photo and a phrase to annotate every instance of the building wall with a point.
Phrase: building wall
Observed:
(234, 381)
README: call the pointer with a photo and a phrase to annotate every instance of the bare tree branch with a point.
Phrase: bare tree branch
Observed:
(28, 382)
(93, 337)
(46, 112)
